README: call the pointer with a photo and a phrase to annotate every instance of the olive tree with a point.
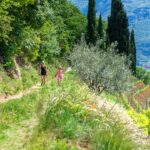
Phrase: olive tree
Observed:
(102, 69)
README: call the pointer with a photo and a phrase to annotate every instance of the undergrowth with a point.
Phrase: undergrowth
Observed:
(13, 116)
(71, 113)
(69, 119)
(9, 86)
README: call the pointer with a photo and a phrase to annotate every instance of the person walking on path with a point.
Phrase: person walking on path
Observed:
(59, 75)
(43, 72)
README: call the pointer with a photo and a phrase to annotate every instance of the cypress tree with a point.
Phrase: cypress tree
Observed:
(118, 27)
(100, 27)
(91, 27)
(133, 52)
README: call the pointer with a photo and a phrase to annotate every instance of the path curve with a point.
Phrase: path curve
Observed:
(21, 94)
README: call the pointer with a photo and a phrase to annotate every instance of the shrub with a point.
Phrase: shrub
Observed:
(111, 136)
(102, 69)
(148, 115)
(29, 44)
(143, 75)
(141, 119)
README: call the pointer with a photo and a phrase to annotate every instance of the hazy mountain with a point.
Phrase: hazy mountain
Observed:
(139, 18)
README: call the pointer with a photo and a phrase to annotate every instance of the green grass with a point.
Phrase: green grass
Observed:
(15, 116)
(45, 142)
(16, 111)
(68, 120)
(9, 86)
(67, 117)
(29, 77)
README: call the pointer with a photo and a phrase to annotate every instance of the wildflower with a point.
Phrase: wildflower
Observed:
(87, 102)
(94, 106)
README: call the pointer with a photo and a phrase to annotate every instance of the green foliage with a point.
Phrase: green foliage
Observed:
(101, 31)
(29, 44)
(111, 137)
(77, 24)
(15, 118)
(148, 116)
(66, 122)
(23, 2)
(102, 69)
(9, 63)
(5, 30)
(29, 79)
(49, 45)
(51, 144)
(19, 116)
(69, 23)
(5, 25)
(143, 75)
(141, 119)
(17, 111)
(38, 14)
(37, 30)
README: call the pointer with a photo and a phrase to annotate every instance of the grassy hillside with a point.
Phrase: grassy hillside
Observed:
(135, 105)
(10, 86)
(73, 116)
(65, 118)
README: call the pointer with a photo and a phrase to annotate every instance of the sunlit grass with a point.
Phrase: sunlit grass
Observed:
(69, 119)
(71, 114)
(9, 86)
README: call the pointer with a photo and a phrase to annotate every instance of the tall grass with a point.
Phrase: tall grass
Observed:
(16, 117)
(9, 86)
(68, 115)
(69, 119)
(16, 111)
(29, 77)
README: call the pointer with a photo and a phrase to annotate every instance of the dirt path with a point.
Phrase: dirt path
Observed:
(19, 134)
(26, 92)
(121, 114)
(21, 94)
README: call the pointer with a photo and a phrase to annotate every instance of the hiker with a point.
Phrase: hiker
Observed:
(59, 75)
(43, 72)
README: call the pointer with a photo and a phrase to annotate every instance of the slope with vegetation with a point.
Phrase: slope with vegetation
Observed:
(107, 71)
(143, 75)
(32, 31)
(35, 30)
(9, 86)
(66, 117)
(73, 115)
